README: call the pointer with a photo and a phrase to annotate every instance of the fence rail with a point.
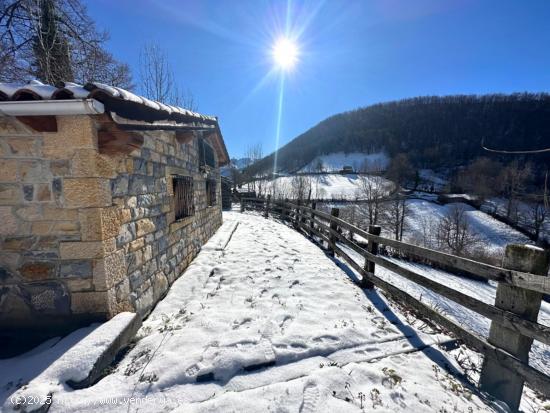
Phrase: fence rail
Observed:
(514, 316)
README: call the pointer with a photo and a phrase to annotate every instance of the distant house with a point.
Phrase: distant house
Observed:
(105, 198)
(346, 169)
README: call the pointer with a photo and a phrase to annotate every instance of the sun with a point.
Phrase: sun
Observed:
(285, 53)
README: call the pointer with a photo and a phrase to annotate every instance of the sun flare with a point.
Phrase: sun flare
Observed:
(285, 53)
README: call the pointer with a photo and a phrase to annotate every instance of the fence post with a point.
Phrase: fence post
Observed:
(242, 204)
(312, 220)
(286, 212)
(496, 379)
(268, 200)
(372, 247)
(297, 215)
(335, 212)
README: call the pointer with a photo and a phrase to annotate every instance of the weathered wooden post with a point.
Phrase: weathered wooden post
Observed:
(297, 214)
(335, 212)
(496, 379)
(242, 204)
(372, 247)
(312, 220)
(267, 201)
(286, 212)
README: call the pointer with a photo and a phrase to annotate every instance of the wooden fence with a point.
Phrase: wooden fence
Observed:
(522, 281)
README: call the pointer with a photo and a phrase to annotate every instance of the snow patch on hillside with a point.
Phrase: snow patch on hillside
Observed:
(357, 160)
(422, 217)
(326, 186)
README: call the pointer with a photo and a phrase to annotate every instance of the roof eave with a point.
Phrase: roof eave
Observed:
(51, 107)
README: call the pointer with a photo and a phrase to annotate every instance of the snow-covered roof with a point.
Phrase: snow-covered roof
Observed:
(36, 90)
(126, 108)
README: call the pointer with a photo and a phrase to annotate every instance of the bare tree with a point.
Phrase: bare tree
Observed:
(55, 41)
(429, 229)
(101, 66)
(252, 154)
(480, 177)
(9, 70)
(319, 166)
(513, 179)
(158, 81)
(537, 212)
(301, 188)
(372, 190)
(395, 216)
(157, 78)
(454, 232)
(235, 176)
(401, 170)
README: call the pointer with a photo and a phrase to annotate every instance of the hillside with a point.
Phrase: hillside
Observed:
(434, 131)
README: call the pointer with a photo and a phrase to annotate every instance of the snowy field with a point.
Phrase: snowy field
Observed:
(431, 180)
(494, 234)
(331, 186)
(524, 213)
(422, 218)
(263, 320)
(378, 161)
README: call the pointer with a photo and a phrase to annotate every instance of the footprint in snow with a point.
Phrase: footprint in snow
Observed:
(239, 324)
(310, 398)
(295, 282)
(284, 323)
(326, 339)
(268, 330)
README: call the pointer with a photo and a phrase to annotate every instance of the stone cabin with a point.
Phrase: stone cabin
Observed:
(105, 199)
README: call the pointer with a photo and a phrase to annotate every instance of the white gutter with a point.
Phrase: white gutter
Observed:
(51, 107)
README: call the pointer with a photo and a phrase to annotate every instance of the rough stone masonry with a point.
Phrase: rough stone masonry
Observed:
(86, 235)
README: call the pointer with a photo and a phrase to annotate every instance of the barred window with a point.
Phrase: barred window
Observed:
(211, 192)
(183, 196)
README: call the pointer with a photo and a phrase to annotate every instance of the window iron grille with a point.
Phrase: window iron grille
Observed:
(183, 196)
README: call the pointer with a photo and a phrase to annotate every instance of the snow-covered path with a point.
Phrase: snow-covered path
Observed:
(263, 321)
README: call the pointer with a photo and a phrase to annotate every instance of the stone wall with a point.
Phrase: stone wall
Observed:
(83, 235)
(156, 247)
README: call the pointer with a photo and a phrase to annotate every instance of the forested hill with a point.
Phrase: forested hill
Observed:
(434, 131)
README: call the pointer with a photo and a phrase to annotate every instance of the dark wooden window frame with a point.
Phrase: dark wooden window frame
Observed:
(184, 196)
(207, 155)
(211, 187)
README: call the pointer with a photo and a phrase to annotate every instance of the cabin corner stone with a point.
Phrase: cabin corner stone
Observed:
(85, 235)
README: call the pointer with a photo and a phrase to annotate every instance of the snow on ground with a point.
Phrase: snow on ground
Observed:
(263, 320)
(495, 235)
(431, 180)
(423, 216)
(72, 360)
(539, 356)
(19, 370)
(378, 161)
(523, 210)
(329, 186)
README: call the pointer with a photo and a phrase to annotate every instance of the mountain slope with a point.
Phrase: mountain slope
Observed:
(434, 131)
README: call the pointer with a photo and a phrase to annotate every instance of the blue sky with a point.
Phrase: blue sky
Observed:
(352, 54)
